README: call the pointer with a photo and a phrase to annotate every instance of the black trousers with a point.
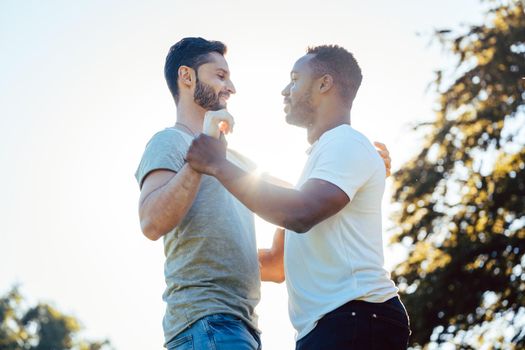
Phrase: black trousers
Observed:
(360, 325)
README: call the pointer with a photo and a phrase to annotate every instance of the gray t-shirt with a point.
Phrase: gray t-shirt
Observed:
(211, 256)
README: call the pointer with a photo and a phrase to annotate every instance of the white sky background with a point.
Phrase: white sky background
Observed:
(82, 91)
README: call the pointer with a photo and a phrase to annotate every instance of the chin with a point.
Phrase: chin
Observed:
(217, 108)
(293, 121)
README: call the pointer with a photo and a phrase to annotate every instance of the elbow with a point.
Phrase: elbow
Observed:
(276, 279)
(299, 220)
(154, 227)
(276, 276)
(280, 278)
(299, 224)
(299, 227)
(150, 230)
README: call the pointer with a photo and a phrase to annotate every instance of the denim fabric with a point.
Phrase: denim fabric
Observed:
(360, 325)
(217, 332)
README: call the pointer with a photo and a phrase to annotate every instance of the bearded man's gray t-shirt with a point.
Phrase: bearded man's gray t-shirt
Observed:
(211, 262)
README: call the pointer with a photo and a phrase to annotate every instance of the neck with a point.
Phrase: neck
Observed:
(316, 130)
(190, 115)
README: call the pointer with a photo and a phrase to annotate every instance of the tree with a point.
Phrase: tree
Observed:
(40, 327)
(462, 198)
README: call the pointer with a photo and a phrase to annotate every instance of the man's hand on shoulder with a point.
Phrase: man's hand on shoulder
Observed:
(385, 155)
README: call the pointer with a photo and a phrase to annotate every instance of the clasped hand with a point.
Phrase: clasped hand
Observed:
(206, 154)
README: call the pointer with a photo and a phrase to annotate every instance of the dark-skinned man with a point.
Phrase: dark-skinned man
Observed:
(340, 295)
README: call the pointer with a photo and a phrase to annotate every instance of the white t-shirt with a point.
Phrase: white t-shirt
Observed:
(341, 258)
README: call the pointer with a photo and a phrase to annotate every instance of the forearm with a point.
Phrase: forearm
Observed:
(281, 206)
(276, 181)
(271, 271)
(296, 209)
(164, 208)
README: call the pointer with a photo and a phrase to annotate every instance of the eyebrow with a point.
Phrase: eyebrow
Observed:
(223, 70)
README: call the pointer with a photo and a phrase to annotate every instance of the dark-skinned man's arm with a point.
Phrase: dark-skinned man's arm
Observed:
(295, 209)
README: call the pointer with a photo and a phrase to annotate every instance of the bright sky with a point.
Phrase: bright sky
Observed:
(82, 91)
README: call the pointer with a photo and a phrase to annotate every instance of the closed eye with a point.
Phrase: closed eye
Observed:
(222, 74)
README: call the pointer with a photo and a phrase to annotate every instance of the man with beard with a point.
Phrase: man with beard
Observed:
(340, 295)
(211, 269)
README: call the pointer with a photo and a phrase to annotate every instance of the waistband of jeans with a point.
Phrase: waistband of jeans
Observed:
(393, 304)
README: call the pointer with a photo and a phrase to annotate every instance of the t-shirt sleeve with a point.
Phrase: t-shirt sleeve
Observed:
(165, 150)
(346, 163)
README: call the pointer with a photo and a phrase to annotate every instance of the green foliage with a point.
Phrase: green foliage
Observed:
(462, 198)
(41, 327)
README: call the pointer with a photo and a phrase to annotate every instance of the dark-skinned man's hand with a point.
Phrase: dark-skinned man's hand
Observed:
(206, 154)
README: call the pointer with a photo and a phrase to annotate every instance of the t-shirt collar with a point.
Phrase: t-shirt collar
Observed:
(312, 146)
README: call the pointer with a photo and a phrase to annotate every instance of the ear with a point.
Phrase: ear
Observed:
(326, 83)
(186, 76)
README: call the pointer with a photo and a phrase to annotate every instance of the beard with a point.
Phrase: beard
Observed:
(301, 112)
(205, 97)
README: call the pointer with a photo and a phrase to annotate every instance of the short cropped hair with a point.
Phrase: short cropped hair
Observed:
(341, 65)
(191, 52)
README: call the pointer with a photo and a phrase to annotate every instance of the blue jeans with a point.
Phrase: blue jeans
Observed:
(217, 332)
(359, 325)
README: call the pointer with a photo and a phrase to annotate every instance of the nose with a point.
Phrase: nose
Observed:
(286, 91)
(231, 87)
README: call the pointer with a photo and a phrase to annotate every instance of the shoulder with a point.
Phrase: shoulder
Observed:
(345, 139)
(168, 138)
(348, 146)
(165, 150)
(170, 135)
